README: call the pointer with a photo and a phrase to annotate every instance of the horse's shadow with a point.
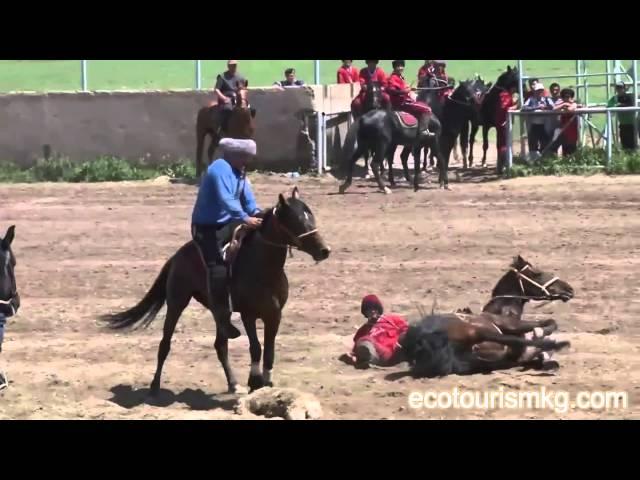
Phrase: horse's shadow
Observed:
(127, 397)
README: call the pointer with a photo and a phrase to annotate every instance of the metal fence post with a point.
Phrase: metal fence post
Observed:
(509, 140)
(319, 141)
(636, 101)
(83, 75)
(316, 72)
(609, 137)
(198, 75)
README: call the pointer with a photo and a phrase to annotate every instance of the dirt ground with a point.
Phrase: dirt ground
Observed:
(85, 250)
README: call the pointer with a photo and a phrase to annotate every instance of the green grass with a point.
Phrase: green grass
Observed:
(585, 161)
(102, 169)
(64, 75)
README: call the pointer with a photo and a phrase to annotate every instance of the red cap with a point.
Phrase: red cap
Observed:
(369, 302)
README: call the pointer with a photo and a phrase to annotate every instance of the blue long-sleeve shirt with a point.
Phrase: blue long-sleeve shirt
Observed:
(223, 196)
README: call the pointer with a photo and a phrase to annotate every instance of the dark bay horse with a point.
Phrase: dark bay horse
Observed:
(259, 287)
(469, 131)
(489, 105)
(209, 123)
(9, 297)
(464, 343)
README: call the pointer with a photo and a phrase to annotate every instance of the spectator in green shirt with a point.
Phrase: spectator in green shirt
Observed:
(626, 120)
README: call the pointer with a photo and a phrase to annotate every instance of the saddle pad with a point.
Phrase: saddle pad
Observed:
(407, 119)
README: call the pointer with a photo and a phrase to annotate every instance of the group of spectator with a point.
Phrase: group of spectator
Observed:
(547, 133)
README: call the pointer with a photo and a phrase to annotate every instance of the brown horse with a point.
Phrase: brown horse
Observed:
(464, 343)
(209, 122)
(258, 286)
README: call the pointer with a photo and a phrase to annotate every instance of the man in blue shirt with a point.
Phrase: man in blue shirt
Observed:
(225, 201)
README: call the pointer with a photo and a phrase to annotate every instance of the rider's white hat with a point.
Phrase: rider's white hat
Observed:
(238, 145)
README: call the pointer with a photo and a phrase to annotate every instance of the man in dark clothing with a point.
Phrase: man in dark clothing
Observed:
(290, 79)
(226, 86)
(225, 201)
(625, 119)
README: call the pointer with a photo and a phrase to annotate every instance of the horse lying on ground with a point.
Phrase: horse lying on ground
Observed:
(466, 343)
(258, 285)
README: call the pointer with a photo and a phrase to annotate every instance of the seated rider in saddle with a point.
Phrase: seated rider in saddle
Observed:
(226, 88)
(402, 99)
(370, 74)
(377, 341)
(225, 201)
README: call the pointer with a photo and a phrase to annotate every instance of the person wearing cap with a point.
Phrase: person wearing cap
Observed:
(372, 73)
(377, 341)
(347, 73)
(225, 89)
(401, 99)
(568, 137)
(538, 132)
(225, 200)
(427, 70)
(625, 119)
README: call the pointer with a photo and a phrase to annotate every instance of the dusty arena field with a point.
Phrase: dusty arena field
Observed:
(85, 250)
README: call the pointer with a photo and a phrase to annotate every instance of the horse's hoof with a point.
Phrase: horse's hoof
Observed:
(343, 188)
(268, 384)
(387, 191)
(447, 187)
(232, 388)
(256, 382)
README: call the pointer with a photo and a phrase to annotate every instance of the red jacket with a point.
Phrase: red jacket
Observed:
(396, 88)
(384, 334)
(426, 71)
(377, 76)
(505, 103)
(348, 75)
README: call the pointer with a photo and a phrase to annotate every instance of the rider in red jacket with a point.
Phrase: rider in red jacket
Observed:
(347, 73)
(401, 98)
(377, 341)
(372, 73)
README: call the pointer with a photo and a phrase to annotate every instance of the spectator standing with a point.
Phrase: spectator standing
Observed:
(538, 137)
(625, 119)
(553, 122)
(568, 122)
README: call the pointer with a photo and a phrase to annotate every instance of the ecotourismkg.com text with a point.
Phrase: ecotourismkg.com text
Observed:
(534, 399)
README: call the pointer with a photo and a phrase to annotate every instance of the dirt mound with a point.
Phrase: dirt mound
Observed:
(287, 403)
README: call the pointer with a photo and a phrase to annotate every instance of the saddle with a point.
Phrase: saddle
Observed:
(231, 249)
(405, 120)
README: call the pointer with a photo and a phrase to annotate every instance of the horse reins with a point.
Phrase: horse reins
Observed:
(297, 244)
(521, 276)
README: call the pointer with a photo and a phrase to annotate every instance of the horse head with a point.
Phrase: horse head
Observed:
(295, 225)
(372, 97)
(508, 79)
(9, 299)
(525, 281)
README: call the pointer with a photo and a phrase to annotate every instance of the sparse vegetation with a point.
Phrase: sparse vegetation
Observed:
(101, 169)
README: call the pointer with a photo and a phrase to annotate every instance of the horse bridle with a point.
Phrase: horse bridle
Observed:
(544, 288)
(13, 299)
(297, 243)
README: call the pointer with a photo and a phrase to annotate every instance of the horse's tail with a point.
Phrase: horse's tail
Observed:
(147, 309)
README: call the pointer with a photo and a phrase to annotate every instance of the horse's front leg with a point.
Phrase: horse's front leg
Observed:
(256, 380)
(404, 157)
(271, 326)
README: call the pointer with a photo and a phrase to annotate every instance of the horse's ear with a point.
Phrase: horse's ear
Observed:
(8, 237)
(295, 193)
(490, 84)
(281, 201)
(508, 68)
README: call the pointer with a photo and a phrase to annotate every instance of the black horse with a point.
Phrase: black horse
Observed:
(466, 343)
(469, 131)
(458, 110)
(9, 297)
(259, 287)
(489, 106)
(372, 101)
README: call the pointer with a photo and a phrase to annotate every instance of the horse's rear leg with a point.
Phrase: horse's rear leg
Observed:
(472, 140)
(222, 349)
(464, 144)
(352, 161)
(485, 144)
(175, 307)
(271, 326)
(256, 380)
